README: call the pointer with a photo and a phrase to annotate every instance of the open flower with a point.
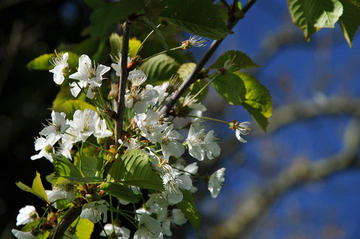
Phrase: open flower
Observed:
(201, 143)
(216, 181)
(57, 126)
(46, 147)
(26, 215)
(60, 64)
(193, 41)
(113, 231)
(22, 235)
(83, 124)
(170, 145)
(242, 129)
(87, 75)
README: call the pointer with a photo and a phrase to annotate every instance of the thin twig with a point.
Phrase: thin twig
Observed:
(233, 20)
(122, 82)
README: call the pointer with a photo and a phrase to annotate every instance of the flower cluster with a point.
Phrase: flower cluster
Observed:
(82, 145)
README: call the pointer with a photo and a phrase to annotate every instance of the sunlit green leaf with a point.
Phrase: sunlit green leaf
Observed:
(84, 228)
(43, 62)
(36, 189)
(236, 59)
(134, 168)
(188, 208)
(230, 87)
(159, 68)
(311, 15)
(350, 20)
(257, 99)
(70, 106)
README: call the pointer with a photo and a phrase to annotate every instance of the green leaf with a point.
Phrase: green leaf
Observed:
(310, 15)
(188, 208)
(134, 168)
(83, 228)
(243, 89)
(64, 167)
(200, 17)
(121, 192)
(116, 45)
(350, 20)
(41, 62)
(88, 161)
(257, 100)
(237, 59)
(185, 70)
(102, 18)
(36, 189)
(159, 68)
(134, 45)
(230, 87)
(70, 106)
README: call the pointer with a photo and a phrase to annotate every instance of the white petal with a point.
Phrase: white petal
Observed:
(215, 182)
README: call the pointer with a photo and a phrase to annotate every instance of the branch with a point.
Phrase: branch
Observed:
(286, 115)
(232, 21)
(297, 174)
(68, 219)
(122, 82)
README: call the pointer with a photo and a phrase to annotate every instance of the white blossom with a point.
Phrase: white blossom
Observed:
(150, 126)
(130, 143)
(178, 217)
(83, 125)
(192, 103)
(137, 78)
(193, 41)
(216, 181)
(57, 126)
(169, 143)
(201, 143)
(118, 232)
(161, 90)
(87, 75)
(26, 215)
(45, 146)
(242, 129)
(22, 235)
(58, 194)
(146, 98)
(101, 130)
(148, 227)
(94, 210)
(60, 64)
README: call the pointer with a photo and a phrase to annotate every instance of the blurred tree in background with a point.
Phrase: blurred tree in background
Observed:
(296, 181)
